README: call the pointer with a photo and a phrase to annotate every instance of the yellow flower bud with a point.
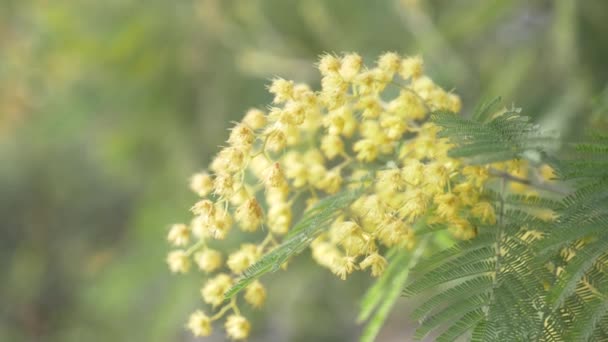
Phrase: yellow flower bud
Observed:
(240, 260)
(214, 289)
(241, 137)
(179, 235)
(249, 215)
(201, 183)
(208, 260)
(223, 185)
(366, 149)
(178, 261)
(377, 263)
(255, 119)
(332, 146)
(350, 66)
(281, 89)
(199, 324)
(237, 327)
(329, 64)
(255, 294)
(411, 67)
(485, 212)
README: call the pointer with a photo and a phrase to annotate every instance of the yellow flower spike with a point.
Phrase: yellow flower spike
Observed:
(214, 289)
(179, 235)
(178, 261)
(255, 294)
(208, 260)
(201, 183)
(199, 324)
(237, 327)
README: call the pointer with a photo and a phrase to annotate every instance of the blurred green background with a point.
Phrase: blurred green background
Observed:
(107, 107)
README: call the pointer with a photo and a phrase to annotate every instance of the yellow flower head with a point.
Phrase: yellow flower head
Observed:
(199, 324)
(237, 327)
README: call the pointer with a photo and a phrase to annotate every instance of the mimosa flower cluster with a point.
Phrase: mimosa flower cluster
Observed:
(366, 128)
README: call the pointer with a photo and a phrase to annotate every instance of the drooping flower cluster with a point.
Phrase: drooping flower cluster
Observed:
(365, 128)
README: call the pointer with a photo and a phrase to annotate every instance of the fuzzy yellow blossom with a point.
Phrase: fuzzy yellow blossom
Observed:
(350, 66)
(201, 183)
(255, 119)
(332, 146)
(367, 150)
(411, 67)
(255, 294)
(240, 260)
(282, 90)
(329, 64)
(199, 324)
(178, 261)
(279, 218)
(241, 137)
(237, 327)
(249, 215)
(366, 129)
(179, 235)
(376, 262)
(213, 291)
(208, 260)
(344, 266)
(485, 212)
(389, 62)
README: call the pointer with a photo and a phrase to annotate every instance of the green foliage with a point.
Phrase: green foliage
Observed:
(492, 135)
(522, 279)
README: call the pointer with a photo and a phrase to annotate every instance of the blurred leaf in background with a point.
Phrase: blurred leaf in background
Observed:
(106, 108)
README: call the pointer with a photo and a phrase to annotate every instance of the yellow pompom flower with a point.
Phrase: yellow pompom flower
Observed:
(255, 294)
(213, 291)
(255, 119)
(179, 235)
(201, 183)
(376, 262)
(282, 90)
(208, 260)
(237, 327)
(411, 67)
(178, 261)
(485, 212)
(249, 215)
(199, 324)
(246, 256)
